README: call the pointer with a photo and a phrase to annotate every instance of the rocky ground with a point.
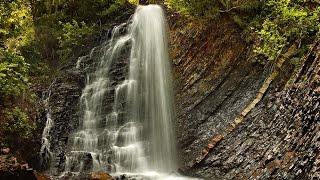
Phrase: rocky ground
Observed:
(11, 168)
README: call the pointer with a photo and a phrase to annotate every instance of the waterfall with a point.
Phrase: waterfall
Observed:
(137, 134)
(45, 150)
(150, 93)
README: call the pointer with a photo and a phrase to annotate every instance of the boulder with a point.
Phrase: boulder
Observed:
(100, 176)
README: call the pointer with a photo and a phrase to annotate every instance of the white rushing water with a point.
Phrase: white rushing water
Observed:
(137, 135)
(45, 151)
(150, 92)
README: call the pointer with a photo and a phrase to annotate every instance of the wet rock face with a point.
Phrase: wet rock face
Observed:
(64, 104)
(278, 140)
(66, 90)
(65, 107)
(215, 80)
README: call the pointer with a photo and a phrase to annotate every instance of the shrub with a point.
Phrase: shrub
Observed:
(285, 21)
(17, 130)
(72, 36)
(212, 8)
(13, 74)
(18, 123)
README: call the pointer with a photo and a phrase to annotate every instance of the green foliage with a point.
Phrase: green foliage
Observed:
(16, 49)
(135, 2)
(16, 27)
(195, 8)
(72, 36)
(18, 123)
(17, 34)
(113, 7)
(81, 10)
(17, 130)
(212, 8)
(283, 22)
(273, 40)
(13, 74)
(62, 26)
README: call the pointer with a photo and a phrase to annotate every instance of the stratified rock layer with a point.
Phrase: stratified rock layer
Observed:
(214, 80)
(277, 139)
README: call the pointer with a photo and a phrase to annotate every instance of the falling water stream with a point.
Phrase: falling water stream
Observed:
(45, 150)
(137, 136)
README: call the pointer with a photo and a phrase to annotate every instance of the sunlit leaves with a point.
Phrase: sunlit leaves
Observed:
(72, 35)
(286, 21)
(18, 123)
(211, 8)
(273, 40)
(16, 25)
(194, 7)
(13, 74)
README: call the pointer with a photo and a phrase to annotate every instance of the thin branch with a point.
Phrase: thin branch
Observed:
(228, 10)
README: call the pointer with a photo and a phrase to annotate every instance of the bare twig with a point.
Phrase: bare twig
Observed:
(228, 10)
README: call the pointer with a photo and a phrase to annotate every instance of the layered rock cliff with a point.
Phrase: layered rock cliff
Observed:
(236, 118)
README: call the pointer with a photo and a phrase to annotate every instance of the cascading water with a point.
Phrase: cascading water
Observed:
(45, 151)
(150, 92)
(137, 135)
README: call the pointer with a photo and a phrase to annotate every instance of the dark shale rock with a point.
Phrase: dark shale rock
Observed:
(215, 80)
